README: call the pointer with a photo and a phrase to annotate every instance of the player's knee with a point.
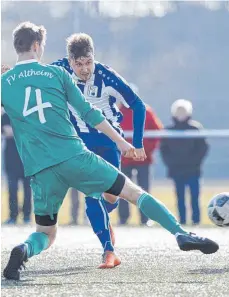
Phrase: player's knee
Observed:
(110, 198)
(51, 231)
(111, 202)
(52, 236)
(47, 225)
(131, 192)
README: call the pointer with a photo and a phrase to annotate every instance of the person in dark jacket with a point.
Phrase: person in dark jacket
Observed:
(140, 169)
(183, 158)
(15, 172)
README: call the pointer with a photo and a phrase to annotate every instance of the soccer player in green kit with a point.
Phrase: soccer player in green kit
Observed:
(35, 98)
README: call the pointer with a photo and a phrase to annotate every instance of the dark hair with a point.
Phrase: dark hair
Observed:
(25, 34)
(79, 45)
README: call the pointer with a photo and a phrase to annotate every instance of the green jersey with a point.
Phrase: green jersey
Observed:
(36, 98)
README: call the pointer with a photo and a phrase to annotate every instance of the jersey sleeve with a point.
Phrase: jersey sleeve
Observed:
(118, 87)
(139, 114)
(88, 113)
(63, 63)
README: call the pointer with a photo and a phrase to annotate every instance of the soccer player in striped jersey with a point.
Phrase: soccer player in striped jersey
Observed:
(103, 87)
(35, 98)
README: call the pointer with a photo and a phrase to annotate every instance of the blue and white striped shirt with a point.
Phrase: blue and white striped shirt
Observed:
(103, 89)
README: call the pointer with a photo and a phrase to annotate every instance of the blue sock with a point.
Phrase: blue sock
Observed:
(111, 206)
(36, 243)
(157, 211)
(99, 219)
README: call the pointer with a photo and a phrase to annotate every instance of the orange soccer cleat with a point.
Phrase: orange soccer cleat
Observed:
(110, 260)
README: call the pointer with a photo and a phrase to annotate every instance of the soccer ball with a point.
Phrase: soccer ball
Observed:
(218, 209)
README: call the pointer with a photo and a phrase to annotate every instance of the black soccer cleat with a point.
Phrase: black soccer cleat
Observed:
(17, 259)
(190, 241)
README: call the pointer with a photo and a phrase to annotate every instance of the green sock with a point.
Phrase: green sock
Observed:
(36, 243)
(157, 211)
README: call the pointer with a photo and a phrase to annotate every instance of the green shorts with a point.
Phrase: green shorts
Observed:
(87, 172)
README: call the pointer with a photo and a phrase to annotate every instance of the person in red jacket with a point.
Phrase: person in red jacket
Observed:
(129, 167)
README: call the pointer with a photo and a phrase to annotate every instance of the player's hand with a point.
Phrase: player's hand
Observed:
(127, 149)
(4, 68)
(140, 154)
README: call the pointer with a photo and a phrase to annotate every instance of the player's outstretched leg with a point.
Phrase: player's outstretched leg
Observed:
(99, 219)
(113, 156)
(34, 245)
(157, 211)
(110, 206)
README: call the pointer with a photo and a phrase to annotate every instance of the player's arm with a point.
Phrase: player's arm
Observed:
(125, 147)
(120, 89)
(139, 111)
(93, 116)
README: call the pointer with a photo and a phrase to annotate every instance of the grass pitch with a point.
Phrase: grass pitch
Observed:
(152, 265)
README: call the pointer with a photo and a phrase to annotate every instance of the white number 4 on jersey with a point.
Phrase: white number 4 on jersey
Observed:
(38, 108)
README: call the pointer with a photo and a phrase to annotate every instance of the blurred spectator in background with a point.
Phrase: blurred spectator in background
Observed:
(74, 207)
(183, 158)
(14, 171)
(140, 169)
